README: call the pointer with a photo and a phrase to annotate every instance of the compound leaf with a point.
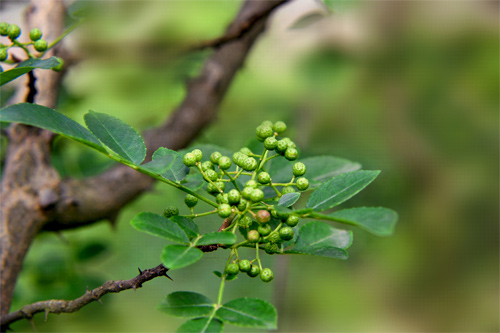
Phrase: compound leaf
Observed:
(187, 225)
(168, 164)
(179, 256)
(118, 136)
(158, 225)
(340, 189)
(27, 66)
(186, 304)
(202, 325)
(248, 312)
(377, 220)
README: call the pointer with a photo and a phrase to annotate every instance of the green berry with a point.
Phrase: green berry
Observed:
(207, 165)
(286, 233)
(239, 159)
(266, 275)
(256, 195)
(287, 189)
(279, 127)
(292, 220)
(211, 175)
(299, 169)
(254, 271)
(249, 164)
(4, 28)
(234, 197)
(281, 147)
(246, 151)
(264, 131)
(232, 269)
(245, 221)
(274, 237)
(267, 123)
(215, 156)
(245, 265)
(264, 178)
(13, 31)
(3, 54)
(224, 163)
(302, 184)
(35, 34)
(291, 154)
(247, 193)
(216, 187)
(189, 160)
(290, 143)
(264, 229)
(270, 143)
(40, 45)
(251, 183)
(59, 66)
(263, 216)
(222, 198)
(198, 154)
(170, 211)
(253, 236)
(271, 248)
(224, 210)
(242, 205)
(190, 200)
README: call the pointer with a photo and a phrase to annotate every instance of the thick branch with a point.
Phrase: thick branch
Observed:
(62, 306)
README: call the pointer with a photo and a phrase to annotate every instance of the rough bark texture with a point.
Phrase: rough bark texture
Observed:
(33, 197)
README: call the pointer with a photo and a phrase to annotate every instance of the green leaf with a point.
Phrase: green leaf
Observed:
(186, 304)
(377, 220)
(179, 256)
(206, 324)
(168, 164)
(289, 199)
(117, 136)
(340, 189)
(320, 239)
(159, 225)
(27, 66)
(218, 237)
(187, 225)
(323, 168)
(249, 312)
(46, 118)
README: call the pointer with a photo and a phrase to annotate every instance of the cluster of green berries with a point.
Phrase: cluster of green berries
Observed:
(252, 270)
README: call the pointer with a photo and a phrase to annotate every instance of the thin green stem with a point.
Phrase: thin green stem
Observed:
(201, 214)
(65, 33)
(18, 44)
(221, 290)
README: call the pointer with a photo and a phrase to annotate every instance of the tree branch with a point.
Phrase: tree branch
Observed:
(62, 306)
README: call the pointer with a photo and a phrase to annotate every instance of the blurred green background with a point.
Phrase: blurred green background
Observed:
(407, 87)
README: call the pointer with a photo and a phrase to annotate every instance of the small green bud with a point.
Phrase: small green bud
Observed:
(59, 66)
(245, 265)
(281, 147)
(264, 131)
(246, 151)
(264, 178)
(189, 160)
(239, 159)
(245, 221)
(40, 45)
(13, 31)
(291, 154)
(266, 275)
(302, 184)
(292, 220)
(299, 169)
(190, 200)
(251, 183)
(270, 143)
(253, 236)
(249, 164)
(234, 197)
(3, 54)
(267, 123)
(271, 248)
(211, 175)
(224, 210)
(287, 189)
(170, 211)
(247, 192)
(256, 195)
(4, 28)
(222, 198)
(198, 154)
(35, 34)
(286, 233)
(216, 187)
(274, 237)
(254, 271)
(232, 269)
(215, 156)
(242, 205)
(264, 229)
(279, 127)
(224, 163)
(207, 165)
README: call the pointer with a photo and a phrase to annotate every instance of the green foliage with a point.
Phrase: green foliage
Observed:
(335, 181)
(27, 66)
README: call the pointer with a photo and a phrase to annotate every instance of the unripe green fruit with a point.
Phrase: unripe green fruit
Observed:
(291, 154)
(242, 205)
(266, 275)
(251, 183)
(189, 160)
(216, 187)
(239, 159)
(271, 248)
(270, 143)
(302, 184)
(286, 233)
(249, 164)
(3, 54)
(281, 147)
(211, 175)
(59, 66)
(4, 28)
(190, 200)
(253, 236)
(256, 195)
(274, 237)
(279, 215)
(13, 31)
(263, 216)
(292, 220)
(264, 131)
(247, 193)
(170, 211)
(299, 169)
(234, 197)
(267, 123)
(224, 163)
(207, 165)
(245, 265)
(245, 221)
(40, 45)
(254, 271)
(232, 269)
(287, 189)
(224, 210)
(290, 143)
(245, 151)
(222, 198)
(264, 229)
(264, 178)
(35, 34)
(198, 154)
(279, 127)
(215, 156)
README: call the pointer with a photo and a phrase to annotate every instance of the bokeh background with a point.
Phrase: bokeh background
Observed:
(407, 87)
